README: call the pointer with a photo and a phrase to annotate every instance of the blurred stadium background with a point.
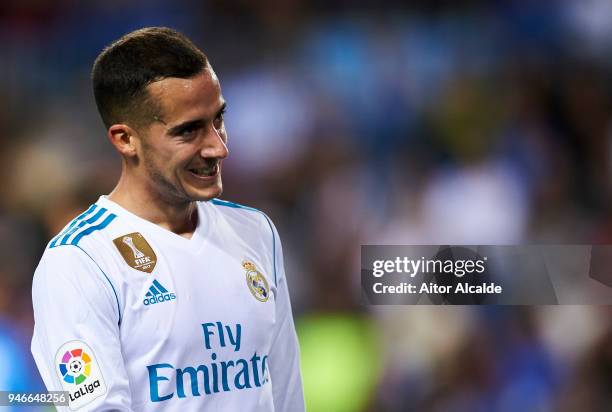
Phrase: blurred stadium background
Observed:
(350, 123)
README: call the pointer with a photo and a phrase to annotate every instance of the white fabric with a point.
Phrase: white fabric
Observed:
(150, 356)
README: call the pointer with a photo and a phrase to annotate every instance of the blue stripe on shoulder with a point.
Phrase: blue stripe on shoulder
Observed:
(85, 228)
(220, 202)
(90, 229)
(234, 205)
(82, 216)
(82, 224)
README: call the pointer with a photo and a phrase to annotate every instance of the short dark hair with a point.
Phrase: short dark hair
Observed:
(124, 69)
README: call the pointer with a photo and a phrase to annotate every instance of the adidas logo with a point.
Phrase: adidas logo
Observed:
(157, 294)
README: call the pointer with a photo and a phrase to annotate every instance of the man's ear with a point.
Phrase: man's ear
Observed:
(123, 137)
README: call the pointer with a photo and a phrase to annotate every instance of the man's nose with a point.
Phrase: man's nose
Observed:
(215, 144)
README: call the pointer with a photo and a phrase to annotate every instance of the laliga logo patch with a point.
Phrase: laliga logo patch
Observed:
(80, 374)
(257, 283)
(136, 252)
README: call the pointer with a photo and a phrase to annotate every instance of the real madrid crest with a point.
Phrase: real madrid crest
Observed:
(257, 283)
(136, 252)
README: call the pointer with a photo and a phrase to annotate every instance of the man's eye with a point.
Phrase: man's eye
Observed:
(188, 132)
(218, 122)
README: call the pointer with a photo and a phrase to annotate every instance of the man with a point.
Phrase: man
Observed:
(159, 296)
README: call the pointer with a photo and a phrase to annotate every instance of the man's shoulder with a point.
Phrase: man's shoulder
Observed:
(95, 219)
(241, 217)
(79, 251)
(250, 227)
(236, 210)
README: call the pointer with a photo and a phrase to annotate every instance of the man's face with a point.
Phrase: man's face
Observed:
(183, 149)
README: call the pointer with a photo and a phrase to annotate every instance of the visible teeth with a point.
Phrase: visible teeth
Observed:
(205, 171)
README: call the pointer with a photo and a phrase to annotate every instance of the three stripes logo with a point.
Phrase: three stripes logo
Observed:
(93, 219)
(157, 294)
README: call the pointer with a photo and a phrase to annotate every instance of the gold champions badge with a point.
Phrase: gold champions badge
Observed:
(257, 283)
(136, 252)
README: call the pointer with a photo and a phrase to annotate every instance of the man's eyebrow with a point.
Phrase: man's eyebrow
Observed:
(187, 124)
(194, 122)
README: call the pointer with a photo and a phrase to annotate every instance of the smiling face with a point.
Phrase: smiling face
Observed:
(182, 150)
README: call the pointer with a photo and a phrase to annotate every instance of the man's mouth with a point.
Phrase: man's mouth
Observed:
(208, 170)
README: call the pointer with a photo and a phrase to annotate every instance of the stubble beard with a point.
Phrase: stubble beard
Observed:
(162, 187)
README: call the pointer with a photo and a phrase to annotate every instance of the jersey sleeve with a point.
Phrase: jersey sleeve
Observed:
(284, 357)
(76, 343)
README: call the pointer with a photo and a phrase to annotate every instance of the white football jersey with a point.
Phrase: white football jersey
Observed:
(130, 316)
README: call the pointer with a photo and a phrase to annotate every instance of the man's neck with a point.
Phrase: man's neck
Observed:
(180, 218)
